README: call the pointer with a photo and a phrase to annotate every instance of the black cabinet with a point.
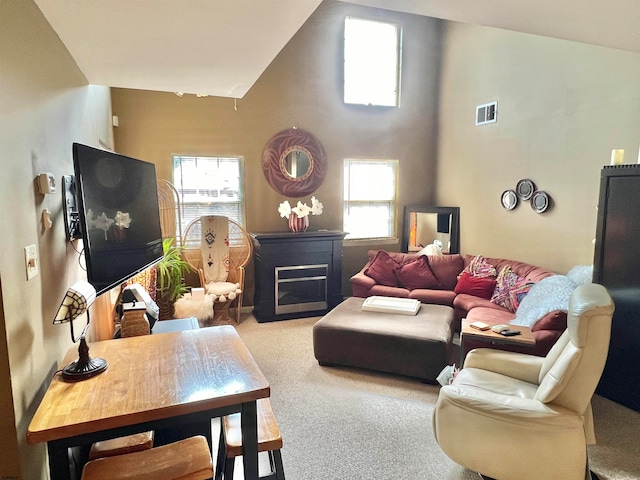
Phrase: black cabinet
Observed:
(617, 267)
(298, 274)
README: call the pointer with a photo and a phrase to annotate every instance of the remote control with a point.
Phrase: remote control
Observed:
(510, 333)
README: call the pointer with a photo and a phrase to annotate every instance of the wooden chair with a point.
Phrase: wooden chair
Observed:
(188, 459)
(240, 252)
(269, 440)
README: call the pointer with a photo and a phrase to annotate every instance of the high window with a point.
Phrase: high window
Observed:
(209, 186)
(370, 198)
(372, 53)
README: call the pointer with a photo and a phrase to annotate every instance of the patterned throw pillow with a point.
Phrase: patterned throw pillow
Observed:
(518, 292)
(479, 267)
(507, 280)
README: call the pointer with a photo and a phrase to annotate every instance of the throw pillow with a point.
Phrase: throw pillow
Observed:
(479, 267)
(383, 269)
(417, 274)
(549, 294)
(518, 292)
(506, 281)
(476, 286)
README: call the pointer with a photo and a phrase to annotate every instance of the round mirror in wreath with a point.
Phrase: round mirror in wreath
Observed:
(294, 162)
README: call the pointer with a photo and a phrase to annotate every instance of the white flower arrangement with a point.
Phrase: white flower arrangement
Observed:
(301, 209)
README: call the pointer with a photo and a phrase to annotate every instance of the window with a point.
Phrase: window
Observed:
(370, 196)
(209, 186)
(372, 53)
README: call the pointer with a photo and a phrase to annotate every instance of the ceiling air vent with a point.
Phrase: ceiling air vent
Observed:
(486, 113)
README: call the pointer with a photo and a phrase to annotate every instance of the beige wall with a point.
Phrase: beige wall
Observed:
(302, 88)
(562, 108)
(45, 105)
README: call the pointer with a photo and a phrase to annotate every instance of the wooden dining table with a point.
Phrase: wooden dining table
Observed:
(152, 382)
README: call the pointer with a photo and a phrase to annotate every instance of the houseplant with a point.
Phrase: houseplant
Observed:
(171, 270)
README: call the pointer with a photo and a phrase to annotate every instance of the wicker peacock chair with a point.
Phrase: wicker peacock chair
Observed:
(170, 216)
(240, 251)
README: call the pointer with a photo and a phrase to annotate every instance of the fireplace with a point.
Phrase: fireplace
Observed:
(301, 288)
(297, 274)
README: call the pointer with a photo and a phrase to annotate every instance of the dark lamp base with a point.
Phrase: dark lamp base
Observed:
(85, 367)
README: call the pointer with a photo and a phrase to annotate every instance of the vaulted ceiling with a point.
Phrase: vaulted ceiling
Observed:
(221, 47)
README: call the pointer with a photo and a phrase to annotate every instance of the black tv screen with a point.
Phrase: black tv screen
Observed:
(119, 215)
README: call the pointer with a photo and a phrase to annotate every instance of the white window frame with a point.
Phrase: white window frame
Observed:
(355, 196)
(372, 62)
(209, 185)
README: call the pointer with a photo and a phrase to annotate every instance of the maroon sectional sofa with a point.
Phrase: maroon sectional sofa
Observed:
(442, 291)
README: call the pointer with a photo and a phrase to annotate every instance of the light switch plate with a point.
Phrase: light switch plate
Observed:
(31, 261)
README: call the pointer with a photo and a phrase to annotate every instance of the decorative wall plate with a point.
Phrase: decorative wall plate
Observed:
(509, 199)
(525, 189)
(540, 201)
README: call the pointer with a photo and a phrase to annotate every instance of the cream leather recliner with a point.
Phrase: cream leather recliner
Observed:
(512, 416)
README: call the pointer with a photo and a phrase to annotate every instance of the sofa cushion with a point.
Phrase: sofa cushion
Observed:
(386, 291)
(383, 269)
(465, 302)
(531, 272)
(477, 286)
(446, 269)
(436, 297)
(492, 315)
(556, 321)
(417, 274)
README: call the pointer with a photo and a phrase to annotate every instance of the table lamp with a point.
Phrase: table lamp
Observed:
(77, 301)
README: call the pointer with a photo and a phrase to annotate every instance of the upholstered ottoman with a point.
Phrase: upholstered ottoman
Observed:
(412, 345)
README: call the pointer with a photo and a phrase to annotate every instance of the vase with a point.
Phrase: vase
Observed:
(298, 224)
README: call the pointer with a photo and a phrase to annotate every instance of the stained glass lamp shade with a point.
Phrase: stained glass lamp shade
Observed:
(77, 301)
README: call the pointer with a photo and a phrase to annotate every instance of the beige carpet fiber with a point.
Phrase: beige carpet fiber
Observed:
(351, 424)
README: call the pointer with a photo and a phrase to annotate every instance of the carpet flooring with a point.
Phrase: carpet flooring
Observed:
(352, 424)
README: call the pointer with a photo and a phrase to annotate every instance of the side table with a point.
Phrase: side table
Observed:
(491, 337)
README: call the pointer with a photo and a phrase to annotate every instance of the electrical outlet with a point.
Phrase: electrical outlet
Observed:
(31, 261)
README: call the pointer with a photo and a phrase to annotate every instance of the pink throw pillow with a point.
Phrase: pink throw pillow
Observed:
(417, 274)
(383, 269)
(477, 286)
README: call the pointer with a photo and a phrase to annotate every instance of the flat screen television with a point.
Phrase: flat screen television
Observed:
(118, 214)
